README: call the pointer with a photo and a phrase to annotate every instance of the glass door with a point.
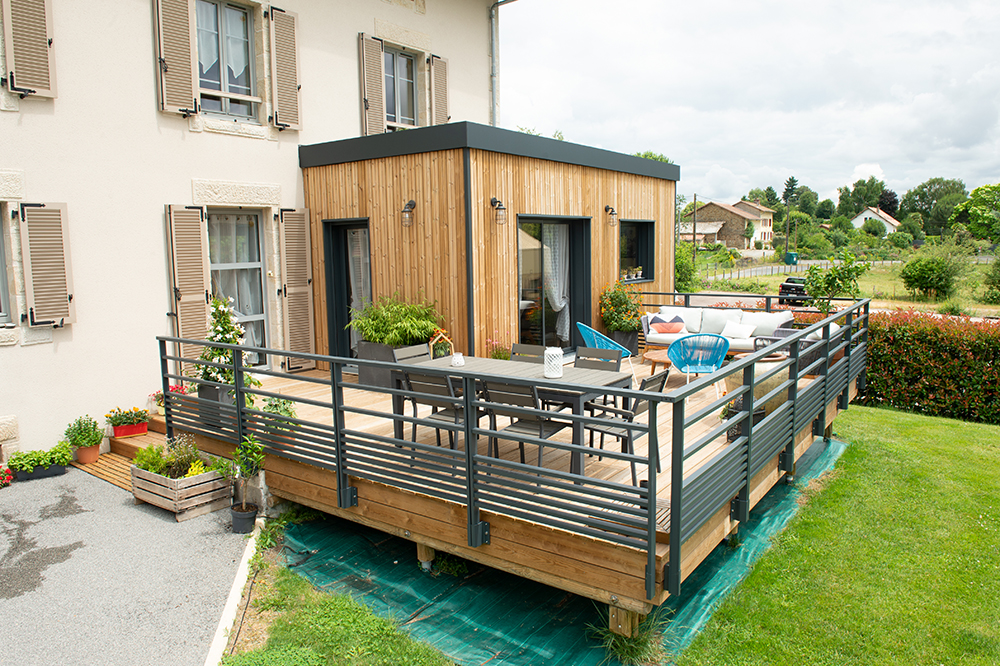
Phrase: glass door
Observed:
(544, 282)
(347, 257)
(359, 281)
(237, 271)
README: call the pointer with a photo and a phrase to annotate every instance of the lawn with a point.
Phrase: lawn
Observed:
(895, 561)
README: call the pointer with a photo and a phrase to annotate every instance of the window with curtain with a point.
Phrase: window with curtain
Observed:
(225, 58)
(400, 88)
(237, 270)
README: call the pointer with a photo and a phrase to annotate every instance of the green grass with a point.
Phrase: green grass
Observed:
(895, 561)
(314, 627)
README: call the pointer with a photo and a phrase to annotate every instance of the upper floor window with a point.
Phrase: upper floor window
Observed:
(400, 88)
(225, 58)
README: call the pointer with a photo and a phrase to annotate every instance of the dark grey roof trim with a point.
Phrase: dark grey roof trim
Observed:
(480, 137)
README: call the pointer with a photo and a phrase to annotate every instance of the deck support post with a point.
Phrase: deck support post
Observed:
(425, 554)
(623, 622)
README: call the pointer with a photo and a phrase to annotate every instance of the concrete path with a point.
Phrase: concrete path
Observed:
(87, 577)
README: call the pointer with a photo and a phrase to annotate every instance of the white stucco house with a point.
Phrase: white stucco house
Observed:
(872, 213)
(150, 153)
(764, 226)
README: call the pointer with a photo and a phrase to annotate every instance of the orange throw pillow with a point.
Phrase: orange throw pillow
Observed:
(675, 325)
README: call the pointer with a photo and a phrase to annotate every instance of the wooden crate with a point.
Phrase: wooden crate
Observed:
(187, 498)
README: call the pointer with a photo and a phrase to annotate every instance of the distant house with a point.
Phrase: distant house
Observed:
(707, 232)
(732, 223)
(870, 213)
(764, 227)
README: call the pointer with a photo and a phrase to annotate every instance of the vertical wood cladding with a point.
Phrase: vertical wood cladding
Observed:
(428, 259)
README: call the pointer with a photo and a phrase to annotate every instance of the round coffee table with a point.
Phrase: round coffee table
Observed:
(657, 357)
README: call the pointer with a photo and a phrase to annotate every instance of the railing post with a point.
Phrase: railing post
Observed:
(740, 508)
(478, 532)
(786, 461)
(676, 498)
(652, 459)
(864, 340)
(238, 392)
(347, 496)
(821, 419)
(168, 416)
(848, 339)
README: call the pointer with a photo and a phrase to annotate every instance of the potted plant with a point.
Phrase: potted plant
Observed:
(6, 476)
(638, 272)
(180, 479)
(160, 401)
(85, 436)
(39, 464)
(128, 422)
(621, 309)
(248, 461)
(386, 323)
(224, 328)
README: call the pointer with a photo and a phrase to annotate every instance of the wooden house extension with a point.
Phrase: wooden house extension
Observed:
(512, 235)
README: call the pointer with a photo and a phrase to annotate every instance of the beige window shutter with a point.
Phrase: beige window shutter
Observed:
(27, 34)
(372, 86)
(285, 69)
(439, 91)
(48, 281)
(296, 288)
(177, 56)
(189, 274)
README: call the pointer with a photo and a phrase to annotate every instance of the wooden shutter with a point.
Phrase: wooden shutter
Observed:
(372, 85)
(285, 69)
(296, 290)
(176, 56)
(28, 47)
(439, 91)
(48, 280)
(189, 275)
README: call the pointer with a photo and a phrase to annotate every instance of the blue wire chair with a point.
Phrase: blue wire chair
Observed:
(698, 353)
(595, 340)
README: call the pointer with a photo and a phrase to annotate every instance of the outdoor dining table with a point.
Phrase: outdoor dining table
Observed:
(597, 379)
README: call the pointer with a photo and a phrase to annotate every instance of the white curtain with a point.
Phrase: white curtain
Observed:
(555, 237)
(358, 275)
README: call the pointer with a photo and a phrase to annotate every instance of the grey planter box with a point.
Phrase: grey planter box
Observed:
(375, 352)
(40, 472)
(627, 339)
(215, 394)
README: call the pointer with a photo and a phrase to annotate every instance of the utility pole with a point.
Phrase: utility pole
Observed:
(694, 233)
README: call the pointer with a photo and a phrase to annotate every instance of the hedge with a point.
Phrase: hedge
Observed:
(940, 366)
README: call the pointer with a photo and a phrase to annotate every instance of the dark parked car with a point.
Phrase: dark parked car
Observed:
(793, 291)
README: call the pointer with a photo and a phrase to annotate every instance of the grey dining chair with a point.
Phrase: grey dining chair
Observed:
(412, 354)
(527, 353)
(501, 394)
(615, 421)
(438, 392)
(592, 359)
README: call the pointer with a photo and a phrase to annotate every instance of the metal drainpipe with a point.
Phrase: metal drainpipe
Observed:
(495, 57)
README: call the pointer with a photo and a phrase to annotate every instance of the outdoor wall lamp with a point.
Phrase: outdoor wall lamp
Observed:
(407, 214)
(612, 216)
(501, 211)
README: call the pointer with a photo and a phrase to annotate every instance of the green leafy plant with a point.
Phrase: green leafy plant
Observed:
(84, 431)
(173, 461)
(248, 460)
(497, 347)
(120, 417)
(621, 307)
(390, 321)
(157, 396)
(226, 329)
(644, 646)
(27, 461)
(838, 280)
(281, 407)
(935, 272)
(150, 459)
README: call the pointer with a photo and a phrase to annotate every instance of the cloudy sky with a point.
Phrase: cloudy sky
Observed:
(746, 94)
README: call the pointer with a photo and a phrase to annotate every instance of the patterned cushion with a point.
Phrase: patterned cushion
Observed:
(664, 325)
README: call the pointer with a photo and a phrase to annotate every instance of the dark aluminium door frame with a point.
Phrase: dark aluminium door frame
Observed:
(335, 258)
(579, 267)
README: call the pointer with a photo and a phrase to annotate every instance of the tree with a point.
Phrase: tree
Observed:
(789, 196)
(900, 239)
(838, 280)
(921, 199)
(770, 197)
(685, 276)
(873, 227)
(864, 193)
(749, 231)
(913, 225)
(938, 222)
(825, 209)
(679, 203)
(842, 223)
(807, 199)
(935, 271)
(648, 155)
(889, 202)
(981, 212)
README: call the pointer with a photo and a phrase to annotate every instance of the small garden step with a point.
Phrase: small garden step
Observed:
(129, 445)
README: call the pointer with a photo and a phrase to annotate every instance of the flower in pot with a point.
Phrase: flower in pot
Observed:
(6, 476)
(638, 272)
(621, 308)
(38, 464)
(85, 435)
(160, 401)
(224, 328)
(248, 461)
(179, 478)
(386, 323)
(128, 422)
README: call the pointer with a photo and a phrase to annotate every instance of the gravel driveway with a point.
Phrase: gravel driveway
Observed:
(87, 577)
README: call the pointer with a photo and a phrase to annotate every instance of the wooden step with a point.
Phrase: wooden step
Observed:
(157, 424)
(112, 467)
(127, 446)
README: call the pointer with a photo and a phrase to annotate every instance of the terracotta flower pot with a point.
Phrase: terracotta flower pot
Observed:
(86, 455)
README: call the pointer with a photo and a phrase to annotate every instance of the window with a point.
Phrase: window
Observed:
(5, 316)
(636, 246)
(207, 52)
(225, 59)
(237, 270)
(400, 88)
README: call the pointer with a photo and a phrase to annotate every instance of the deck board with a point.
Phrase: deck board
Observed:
(112, 467)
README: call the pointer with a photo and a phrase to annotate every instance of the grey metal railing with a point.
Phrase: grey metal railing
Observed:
(359, 439)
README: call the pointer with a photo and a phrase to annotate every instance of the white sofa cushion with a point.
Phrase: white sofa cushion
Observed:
(691, 316)
(663, 339)
(818, 333)
(713, 320)
(736, 330)
(765, 323)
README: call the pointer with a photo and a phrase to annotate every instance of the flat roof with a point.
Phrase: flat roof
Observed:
(480, 137)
